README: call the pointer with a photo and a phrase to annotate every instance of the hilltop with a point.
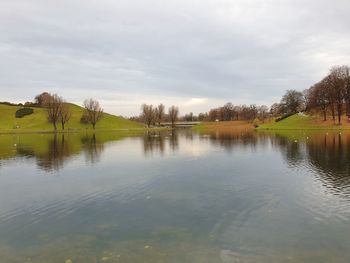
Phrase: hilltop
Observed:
(38, 121)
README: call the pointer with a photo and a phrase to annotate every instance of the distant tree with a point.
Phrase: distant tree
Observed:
(228, 110)
(318, 98)
(332, 94)
(253, 112)
(337, 85)
(93, 112)
(189, 117)
(213, 114)
(202, 116)
(346, 76)
(42, 98)
(329, 94)
(263, 112)
(147, 114)
(173, 115)
(65, 114)
(159, 113)
(235, 112)
(292, 102)
(275, 110)
(306, 98)
(53, 104)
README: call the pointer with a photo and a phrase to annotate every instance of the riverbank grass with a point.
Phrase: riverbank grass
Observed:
(37, 122)
(304, 122)
(224, 126)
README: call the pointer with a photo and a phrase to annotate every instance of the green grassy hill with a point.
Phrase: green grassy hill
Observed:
(38, 121)
(304, 122)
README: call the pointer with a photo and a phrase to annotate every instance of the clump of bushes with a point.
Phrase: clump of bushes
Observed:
(23, 112)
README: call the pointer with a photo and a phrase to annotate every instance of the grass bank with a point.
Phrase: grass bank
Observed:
(37, 122)
(304, 122)
(294, 122)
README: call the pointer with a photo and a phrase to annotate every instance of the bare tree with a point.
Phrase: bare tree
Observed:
(275, 109)
(318, 98)
(189, 117)
(327, 82)
(227, 111)
(41, 98)
(338, 90)
(53, 104)
(159, 113)
(147, 114)
(65, 114)
(346, 76)
(173, 115)
(93, 112)
(292, 101)
(332, 94)
(263, 113)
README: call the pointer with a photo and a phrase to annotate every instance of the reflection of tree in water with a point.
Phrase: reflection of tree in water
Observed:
(92, 149)
(153, 142)
(292, 151)
(53, 152)
(330, 157)
(230, 140)
(58, 150)
(174, 140)
(327, 155)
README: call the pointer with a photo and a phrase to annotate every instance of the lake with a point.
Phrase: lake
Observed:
(175, 197)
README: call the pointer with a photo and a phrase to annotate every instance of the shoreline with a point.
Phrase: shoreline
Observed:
(131, 130)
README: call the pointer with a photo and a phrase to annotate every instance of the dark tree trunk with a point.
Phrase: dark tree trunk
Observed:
(339, 109)
(324, 114)
(333, 112)
(347, 108)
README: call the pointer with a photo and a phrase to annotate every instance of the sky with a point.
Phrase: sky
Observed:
(196, 54)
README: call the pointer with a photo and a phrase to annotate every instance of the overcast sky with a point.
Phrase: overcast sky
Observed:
(194, 54)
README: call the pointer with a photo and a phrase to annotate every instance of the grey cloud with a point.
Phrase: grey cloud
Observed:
(235, 51)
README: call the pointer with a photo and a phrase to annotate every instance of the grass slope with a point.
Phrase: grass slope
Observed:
(38, 121)
(304, 122)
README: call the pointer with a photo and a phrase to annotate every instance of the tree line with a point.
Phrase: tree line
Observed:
(230, 112)
(329, 96)
(59, 111)
(155, 115)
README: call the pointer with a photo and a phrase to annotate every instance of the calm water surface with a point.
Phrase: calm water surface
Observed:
(175, 197)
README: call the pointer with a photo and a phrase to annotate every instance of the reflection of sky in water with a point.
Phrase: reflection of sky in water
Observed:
(257, 198)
